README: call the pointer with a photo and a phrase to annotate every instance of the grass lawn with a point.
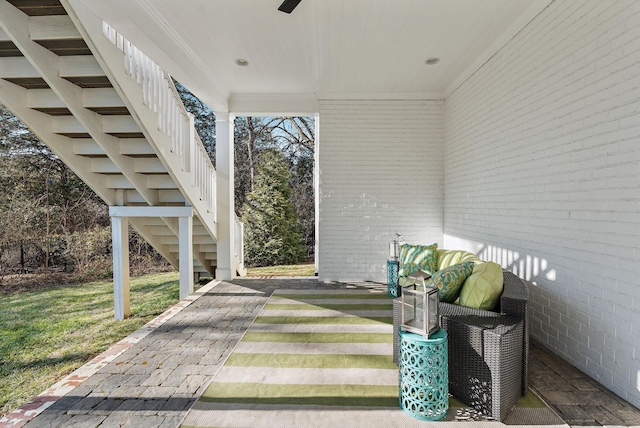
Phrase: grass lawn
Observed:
(306, 269)
(47, 333)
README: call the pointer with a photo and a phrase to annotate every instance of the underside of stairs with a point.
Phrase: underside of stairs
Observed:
(66, 81)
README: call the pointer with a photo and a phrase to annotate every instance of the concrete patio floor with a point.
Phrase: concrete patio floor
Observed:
(156, 380)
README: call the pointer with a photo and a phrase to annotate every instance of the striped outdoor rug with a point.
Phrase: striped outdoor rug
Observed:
(311, 358)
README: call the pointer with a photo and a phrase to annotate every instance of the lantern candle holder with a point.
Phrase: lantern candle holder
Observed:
(393, 266)
(394, 247)
(420, 310)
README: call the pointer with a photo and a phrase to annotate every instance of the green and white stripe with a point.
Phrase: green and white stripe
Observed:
(327, 348)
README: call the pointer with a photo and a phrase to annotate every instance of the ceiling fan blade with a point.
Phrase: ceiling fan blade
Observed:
(287, 6)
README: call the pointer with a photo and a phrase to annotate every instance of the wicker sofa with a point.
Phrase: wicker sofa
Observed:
(488, 350)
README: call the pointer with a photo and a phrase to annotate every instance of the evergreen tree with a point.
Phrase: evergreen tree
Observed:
(272, 229)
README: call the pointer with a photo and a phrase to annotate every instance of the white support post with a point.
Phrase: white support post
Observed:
(316, 191)
(185, 227)
(120, 242)
(120, 216)
(225, 193)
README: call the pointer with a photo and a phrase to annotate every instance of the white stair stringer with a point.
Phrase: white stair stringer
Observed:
(79, 110)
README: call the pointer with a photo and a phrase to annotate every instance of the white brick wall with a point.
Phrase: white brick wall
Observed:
(381, 170)
(542, 174)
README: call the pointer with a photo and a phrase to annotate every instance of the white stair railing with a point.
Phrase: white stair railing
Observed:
(160, 95)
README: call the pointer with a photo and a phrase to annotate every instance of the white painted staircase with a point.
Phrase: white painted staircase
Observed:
(114, 117)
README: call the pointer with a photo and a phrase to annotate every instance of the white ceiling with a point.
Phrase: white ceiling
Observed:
(324, 49)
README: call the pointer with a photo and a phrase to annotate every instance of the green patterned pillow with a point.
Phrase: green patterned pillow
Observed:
(449, 280)
(417, 257)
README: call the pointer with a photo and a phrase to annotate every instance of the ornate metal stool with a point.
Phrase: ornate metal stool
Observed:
(424, 375)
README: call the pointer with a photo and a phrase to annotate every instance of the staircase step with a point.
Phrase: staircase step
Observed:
(199, 230)
(46, 101)
(121, 126)
(149, 166)
(58, 34)
(162, 231)
(17, 68)
(87, 147)
(138, 147)
(53, 28)
(39, 8)
(8, 48)
(28, 82)
(161, 182)
(196, 239)
(208, 248)
(68, 126)
(211, 255)
(80, 66)
(198, 267)
(119, 182)
(83, 71)
(54, 111)
(19, 71)
(170, 196)
(105, 101)
(197, 264)
(104, 166)
(154, 221)
(113, 125)
(133, 197)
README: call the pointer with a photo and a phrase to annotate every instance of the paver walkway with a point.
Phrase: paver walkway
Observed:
(156, 381)
(575, 397)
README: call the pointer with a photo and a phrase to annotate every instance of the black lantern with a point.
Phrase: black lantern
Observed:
(420, 310)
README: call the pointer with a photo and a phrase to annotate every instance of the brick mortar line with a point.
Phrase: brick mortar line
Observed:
(33, 408)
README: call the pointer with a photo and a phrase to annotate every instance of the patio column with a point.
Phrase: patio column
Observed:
(185, 248)
(316, 191)
(120, 243)
(225, 190)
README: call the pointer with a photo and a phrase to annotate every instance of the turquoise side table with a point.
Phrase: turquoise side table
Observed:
(424, 375)
(393, 289)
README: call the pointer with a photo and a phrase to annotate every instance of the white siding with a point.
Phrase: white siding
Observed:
(381, 170)
(542, 174)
